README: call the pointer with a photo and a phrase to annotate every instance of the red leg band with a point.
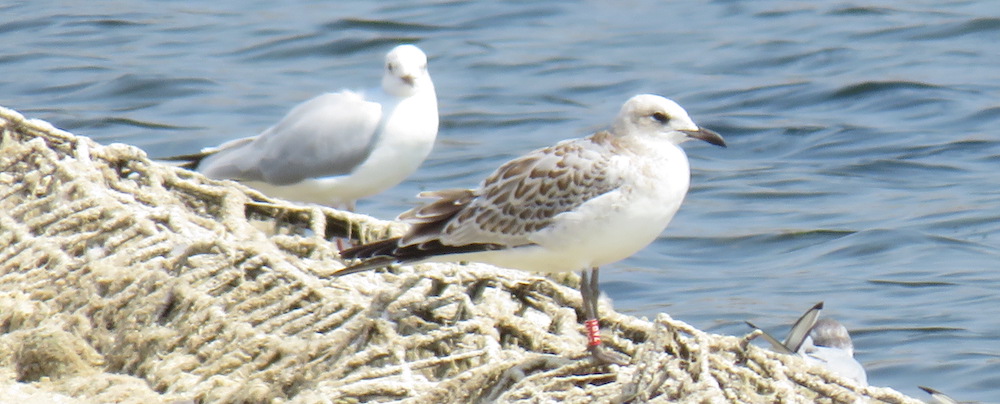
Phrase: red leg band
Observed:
(593, 332)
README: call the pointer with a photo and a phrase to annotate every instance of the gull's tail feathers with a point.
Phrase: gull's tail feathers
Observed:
(383, 253)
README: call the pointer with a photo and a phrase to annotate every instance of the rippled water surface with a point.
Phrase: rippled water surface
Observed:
(864, 143)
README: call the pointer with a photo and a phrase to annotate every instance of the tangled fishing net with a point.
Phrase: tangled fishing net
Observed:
(125, 280)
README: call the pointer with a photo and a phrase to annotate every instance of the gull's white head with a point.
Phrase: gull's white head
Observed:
(652, 115)
(830, 345)
(406, 71)
(830, 333)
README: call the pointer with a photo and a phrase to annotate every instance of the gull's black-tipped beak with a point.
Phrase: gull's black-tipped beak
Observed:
(408, 79)
(706, 135)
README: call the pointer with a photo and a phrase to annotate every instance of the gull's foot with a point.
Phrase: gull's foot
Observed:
(604, 356)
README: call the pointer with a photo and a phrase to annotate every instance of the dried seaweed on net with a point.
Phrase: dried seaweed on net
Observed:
(140, 282)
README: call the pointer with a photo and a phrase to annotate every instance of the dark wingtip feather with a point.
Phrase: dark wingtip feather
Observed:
(370, 250)
(371, 263)
(190, 161)
(387, 252)
(373, 255)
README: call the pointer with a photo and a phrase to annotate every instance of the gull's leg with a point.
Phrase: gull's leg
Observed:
(344, 243)
(590, 291)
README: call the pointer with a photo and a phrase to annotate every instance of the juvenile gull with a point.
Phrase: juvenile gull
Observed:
(338, 147)
(577, 205)
(825, 342)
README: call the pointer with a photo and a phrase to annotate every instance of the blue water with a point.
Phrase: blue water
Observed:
(864, 143)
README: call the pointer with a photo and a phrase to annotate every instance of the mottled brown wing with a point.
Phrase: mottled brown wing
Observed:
(520, 198)
(428, 221)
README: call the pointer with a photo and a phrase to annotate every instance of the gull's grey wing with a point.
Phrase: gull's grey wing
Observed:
(800, 330)
(325, 136)
(777, 345)
(520, 198)
(938, 396)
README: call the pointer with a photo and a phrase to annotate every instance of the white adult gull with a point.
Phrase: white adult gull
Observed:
(338, 147)
(825, 342)
(577, 205)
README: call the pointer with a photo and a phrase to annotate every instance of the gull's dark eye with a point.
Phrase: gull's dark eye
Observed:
(660, 117)
(391, 67)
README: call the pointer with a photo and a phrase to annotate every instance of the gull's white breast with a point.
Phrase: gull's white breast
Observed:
(406, 137)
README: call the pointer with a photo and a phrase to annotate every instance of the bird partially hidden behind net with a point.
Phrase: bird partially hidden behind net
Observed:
(824, 342)
(577, 205)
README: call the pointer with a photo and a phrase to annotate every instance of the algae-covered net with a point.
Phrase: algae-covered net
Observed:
(125, 280)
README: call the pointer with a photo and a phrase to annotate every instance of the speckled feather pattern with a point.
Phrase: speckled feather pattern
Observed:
(521, 197)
